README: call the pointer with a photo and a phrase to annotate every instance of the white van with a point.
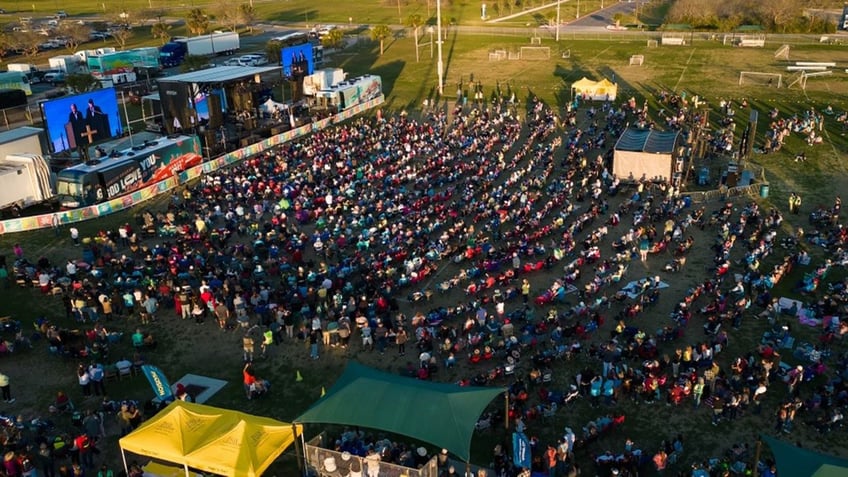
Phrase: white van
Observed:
(252, 60)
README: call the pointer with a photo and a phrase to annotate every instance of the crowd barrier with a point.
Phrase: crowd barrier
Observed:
(132, 199)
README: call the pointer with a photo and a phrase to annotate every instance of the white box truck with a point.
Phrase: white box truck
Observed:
(29, 70)
(68, 64)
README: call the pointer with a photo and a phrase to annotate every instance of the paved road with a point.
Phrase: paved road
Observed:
(601, 18)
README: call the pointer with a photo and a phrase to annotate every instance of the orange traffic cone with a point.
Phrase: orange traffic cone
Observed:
(299, 378)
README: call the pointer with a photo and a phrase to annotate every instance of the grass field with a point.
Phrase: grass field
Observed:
(707, 69)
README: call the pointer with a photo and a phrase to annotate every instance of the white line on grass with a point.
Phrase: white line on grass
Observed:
(684, 70)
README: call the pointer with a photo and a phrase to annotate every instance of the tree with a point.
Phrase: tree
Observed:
(228, 13)
(273, 51)
(248, 15)
(122, 35)
(380, 33)
(81, 83)
(74, 34)
(333, 39)
(197, 21)
(161, 30)
(194, 63)
(415, 22)
(27, 42)
(780, 12)
(6, 44)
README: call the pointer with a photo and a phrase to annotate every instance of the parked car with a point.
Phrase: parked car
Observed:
(54, 76)
(61, 14)
(231, 62)
(252, 60)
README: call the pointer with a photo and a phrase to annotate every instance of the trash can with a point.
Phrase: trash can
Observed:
(764, 189)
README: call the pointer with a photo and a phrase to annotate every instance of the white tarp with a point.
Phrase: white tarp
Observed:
(271, 106)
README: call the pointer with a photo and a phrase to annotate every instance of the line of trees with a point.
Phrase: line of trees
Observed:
(780, 16)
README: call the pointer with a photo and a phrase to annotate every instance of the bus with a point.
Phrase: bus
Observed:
(15, 80)
(122, 172)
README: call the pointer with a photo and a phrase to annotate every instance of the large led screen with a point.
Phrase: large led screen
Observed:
(82, 119)
(298, 61)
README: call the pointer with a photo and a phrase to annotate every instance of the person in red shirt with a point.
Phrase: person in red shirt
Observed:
(249, 379)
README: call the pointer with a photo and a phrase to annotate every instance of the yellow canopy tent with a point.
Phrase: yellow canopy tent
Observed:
(602, 90)
(211, 439)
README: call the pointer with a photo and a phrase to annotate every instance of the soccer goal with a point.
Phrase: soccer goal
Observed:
(637, 60)
(652, 43)
(674, 39)
(760, 79)
(801, 79)
(782, 53)
(497, 55)
(535, 53)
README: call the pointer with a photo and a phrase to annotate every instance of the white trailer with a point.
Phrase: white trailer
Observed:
(25, 180)
(23, 139)
(69, 64)
(22, 67)
(212, 44)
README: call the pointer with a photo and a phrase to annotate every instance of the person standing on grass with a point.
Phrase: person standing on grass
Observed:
(5, 389)
(698, 391)
(401, 338)
(84, 380)
(74, 235)
(222, 314)
(267, 340)
(248, 346)
(314, 336)
(97, 374)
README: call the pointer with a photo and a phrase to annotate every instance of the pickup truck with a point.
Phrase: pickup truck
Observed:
(54, 77)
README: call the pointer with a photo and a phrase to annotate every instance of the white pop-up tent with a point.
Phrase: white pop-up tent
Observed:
(645, 154)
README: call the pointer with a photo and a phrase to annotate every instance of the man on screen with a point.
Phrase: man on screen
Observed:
(98, 121)
(77, 123)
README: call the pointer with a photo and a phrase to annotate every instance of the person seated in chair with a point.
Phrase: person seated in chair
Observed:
(142, 340)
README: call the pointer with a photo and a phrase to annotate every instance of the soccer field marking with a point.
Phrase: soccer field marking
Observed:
(684, 70)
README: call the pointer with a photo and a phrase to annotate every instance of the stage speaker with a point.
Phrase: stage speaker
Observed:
(296, 90)
(216, 116)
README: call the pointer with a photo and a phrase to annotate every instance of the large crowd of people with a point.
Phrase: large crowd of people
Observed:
(504, 223)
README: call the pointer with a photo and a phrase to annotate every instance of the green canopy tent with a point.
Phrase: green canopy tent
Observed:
(437, 413)
(798, 462)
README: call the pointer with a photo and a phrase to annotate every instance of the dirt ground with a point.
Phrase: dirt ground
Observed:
(36, 375)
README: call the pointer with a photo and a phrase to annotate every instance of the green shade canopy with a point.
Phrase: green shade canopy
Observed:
(437, 413)
(797, 462)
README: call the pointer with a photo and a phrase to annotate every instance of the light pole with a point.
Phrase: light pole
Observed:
(578, 9)
(440, 66)
(557, 20)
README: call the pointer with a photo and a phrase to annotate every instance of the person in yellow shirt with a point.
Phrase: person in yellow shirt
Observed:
(267, 340)
(5, 389)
